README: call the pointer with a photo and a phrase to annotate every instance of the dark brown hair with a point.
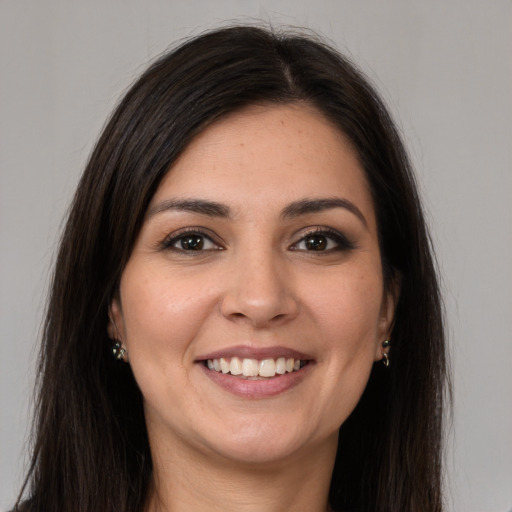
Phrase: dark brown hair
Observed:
(90, 449)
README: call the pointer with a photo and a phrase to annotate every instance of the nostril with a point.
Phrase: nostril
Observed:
(276, 318)
(257, 304)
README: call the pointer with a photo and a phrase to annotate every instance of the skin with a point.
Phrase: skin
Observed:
(257, 283)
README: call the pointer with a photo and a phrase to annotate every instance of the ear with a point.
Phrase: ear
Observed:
(116, 331)
(387, 316)
(115, 327)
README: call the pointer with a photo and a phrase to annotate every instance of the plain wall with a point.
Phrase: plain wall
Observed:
(445, 69)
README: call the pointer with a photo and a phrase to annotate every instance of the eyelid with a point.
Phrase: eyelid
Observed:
(342, 241)
(172, 238)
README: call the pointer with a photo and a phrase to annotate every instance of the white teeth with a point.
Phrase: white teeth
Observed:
(281, 365)
(250, 368)
(235, 366)
(224, 365)
(267, 368)
(253, 367)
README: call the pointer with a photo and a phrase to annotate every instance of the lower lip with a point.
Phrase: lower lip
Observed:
(264, 388)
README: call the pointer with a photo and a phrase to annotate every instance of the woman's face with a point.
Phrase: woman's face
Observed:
(252, 306)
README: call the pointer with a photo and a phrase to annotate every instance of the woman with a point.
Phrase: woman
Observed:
(246, 240)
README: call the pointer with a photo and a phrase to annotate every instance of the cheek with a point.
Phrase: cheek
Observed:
(161, 315)
(349, 307)
(348, 317)
(352, 318)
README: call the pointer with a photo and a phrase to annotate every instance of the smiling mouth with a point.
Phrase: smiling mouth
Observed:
(247, 368)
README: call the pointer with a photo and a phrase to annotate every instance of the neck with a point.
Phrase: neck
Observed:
(185, 480)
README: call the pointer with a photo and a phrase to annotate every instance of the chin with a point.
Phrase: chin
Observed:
(264, 443)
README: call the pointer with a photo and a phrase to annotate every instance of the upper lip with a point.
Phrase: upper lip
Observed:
(259, 353)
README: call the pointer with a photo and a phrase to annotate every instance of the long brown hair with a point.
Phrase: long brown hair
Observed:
(90, 450)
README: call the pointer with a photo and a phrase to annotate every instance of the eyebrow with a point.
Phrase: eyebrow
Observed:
(305, 206)
(210, 208)
(295, 209)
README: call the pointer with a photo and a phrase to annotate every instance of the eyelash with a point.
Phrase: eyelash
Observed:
(341, 241)
(169, 242)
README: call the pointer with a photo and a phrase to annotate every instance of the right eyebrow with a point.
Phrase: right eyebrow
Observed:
(201, 206)
(306, 206)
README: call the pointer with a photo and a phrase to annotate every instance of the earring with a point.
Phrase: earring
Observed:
(119, 352)
(385, 357)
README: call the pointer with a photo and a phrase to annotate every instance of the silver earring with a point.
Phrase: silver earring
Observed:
(385, 357)
(119, 352)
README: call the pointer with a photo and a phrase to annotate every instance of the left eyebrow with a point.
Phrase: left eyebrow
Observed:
(305, 206)
(200, 206)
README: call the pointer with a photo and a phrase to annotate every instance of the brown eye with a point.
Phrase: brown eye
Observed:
(190, 243)
(323, 241)
(315, 243)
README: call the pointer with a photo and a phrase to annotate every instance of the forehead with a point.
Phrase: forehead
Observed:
(268, 155)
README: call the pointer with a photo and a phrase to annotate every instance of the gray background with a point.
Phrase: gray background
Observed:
(445, 69)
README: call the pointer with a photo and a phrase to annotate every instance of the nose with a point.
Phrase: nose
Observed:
(260, 291)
